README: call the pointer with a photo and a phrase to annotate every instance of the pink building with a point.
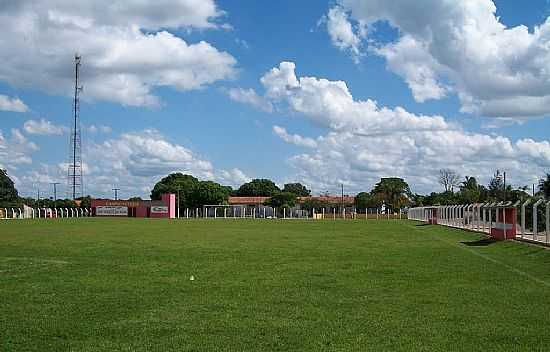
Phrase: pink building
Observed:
(164, 208)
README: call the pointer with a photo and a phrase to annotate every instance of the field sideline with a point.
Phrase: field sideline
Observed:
(267, 285)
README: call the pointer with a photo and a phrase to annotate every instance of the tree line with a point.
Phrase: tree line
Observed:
(467, 190)
(392, 192)
(193, 193)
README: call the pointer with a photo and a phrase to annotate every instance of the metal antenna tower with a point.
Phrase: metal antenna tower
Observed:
(74, 173)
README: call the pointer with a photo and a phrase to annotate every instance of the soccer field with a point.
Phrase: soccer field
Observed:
(124, 285)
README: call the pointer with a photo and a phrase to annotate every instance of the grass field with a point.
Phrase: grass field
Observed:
(124, 285)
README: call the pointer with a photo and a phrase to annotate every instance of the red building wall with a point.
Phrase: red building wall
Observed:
(164, 208)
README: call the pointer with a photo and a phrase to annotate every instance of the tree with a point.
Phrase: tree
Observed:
(297, 188)
(364, 200)
(85, 202)
(418, 200)
(281, 200)
(470, 191)
(176, 183)
(449, 179)
(544, 186)
(208, 193)
(393, 191)
(258, 188)
(496, 187)
(8, 193)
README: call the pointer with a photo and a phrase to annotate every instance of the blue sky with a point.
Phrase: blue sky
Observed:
(321, 93)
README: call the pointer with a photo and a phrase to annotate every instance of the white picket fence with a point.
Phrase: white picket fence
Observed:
(44, 213)
(484, 217)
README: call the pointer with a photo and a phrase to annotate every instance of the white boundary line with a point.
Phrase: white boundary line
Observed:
(492, 260)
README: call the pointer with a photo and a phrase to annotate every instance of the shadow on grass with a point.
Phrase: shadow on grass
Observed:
(423, 225)
(480, 243)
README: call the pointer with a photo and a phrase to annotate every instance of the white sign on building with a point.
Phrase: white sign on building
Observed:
(111, 211)
(159, 210)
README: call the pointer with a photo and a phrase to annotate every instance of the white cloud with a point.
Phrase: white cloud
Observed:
(135, 161)
(147, 154)
(150, 15)
(341, 32)
(495, 70)
(102, 128)
(43, 127)
(365, 142)
(12, 104)
(330, 104)
(120, 61)
(409, 59)
(250, 97)
(16, 150)
(295, 139)
(233, 177)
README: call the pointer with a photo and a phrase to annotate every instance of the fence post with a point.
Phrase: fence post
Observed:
(536, 219)
(523, 217)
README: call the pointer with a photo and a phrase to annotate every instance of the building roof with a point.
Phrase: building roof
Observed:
(261, 200)
(246, 200)
(329, 199)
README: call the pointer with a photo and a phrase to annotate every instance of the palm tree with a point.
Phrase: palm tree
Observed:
(544, 186)
(395, 191)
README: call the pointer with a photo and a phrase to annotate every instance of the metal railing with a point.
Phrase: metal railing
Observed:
(532, 222)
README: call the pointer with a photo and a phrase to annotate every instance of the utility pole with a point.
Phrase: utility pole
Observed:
(38, 199)
(342, 198)
(504, 186)
(116, 192)
(54, 184)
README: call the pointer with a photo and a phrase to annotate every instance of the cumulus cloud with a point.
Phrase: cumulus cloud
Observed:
(12, 104)
(233, 177)
(160, 14)
(43, 127)
(126, 48)
(16, 150)
(365, 141)
(135, 161)
(295, 139)
(95, 129)
(495, 70)
(250, 97)
(330, 104)
(342, 33)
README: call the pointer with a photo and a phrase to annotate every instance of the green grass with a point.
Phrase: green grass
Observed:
(123, 285)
